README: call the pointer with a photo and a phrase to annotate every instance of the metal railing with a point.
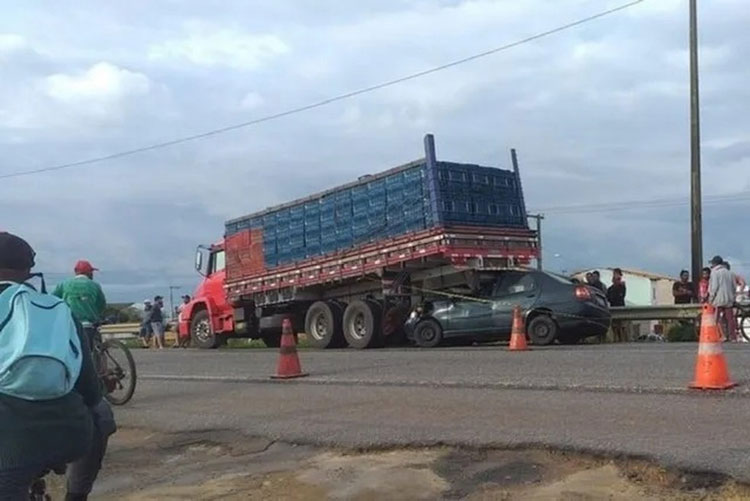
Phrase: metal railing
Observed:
(660, 312)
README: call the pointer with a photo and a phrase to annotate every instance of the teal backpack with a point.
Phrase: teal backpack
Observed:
(40, 352)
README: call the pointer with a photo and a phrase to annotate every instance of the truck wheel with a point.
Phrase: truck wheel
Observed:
(362, 324)
(428, 334)
(201, 332)
(323, 325)
(542, 330)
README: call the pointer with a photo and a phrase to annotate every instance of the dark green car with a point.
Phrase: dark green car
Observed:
(554, 307)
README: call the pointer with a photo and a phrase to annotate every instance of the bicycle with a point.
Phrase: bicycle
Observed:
(742, 313)
(118, 379)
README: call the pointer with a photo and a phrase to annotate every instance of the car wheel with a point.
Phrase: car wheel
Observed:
(362, 324)
(428, 334)
(567, 338)
(201, 331)
(542, 330)
(323, 325)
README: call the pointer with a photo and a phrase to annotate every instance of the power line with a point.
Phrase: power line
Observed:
(643, 204)
(324, 102)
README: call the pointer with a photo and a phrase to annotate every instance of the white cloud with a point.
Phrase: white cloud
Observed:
(10, 42)
(251, 101)
(102, 82)
(223, 47)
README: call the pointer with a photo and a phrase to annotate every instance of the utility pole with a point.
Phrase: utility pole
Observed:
(171, 300)
(538, 218)
(696, 211)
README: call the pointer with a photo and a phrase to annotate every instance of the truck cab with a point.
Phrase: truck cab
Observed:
(208, 318)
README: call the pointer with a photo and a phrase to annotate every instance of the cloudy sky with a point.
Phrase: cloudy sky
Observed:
(599, 115)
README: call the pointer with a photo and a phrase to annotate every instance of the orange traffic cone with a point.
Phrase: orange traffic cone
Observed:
(289, 366)
(711, 372)
(518, 333)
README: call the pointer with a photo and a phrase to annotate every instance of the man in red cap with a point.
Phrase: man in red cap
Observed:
(84, 296)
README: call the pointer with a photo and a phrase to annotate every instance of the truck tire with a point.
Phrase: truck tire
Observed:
(362, 324)
(542, 330)
(323, 325)
(201, 332)
(428, 334)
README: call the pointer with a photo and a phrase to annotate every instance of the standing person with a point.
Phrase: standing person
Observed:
(589, 278)
(703, 285)
(87, 302)
(146, 332)
(597, 281)
(616, 297)
(721, 295)
(45, 420)
(84, 297)
(683, 290)
(739, 282)
(181, 341)
(156, 319)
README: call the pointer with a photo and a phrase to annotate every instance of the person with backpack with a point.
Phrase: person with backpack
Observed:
(47, 379)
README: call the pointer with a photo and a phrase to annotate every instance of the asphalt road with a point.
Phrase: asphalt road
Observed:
(611, 399)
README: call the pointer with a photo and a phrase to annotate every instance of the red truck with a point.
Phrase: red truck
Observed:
(347, 265)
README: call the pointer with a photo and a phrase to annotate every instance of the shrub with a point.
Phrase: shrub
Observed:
(682, 332)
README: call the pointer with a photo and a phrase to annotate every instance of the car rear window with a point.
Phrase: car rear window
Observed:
(560, 278)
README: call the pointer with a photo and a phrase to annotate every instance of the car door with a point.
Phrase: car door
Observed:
(470, 317)
(513, 288)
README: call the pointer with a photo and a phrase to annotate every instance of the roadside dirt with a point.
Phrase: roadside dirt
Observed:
(215, 464)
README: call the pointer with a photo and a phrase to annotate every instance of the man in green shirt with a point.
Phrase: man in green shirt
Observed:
(84, 296)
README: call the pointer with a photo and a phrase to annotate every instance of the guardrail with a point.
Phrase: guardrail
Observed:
(661, 312)
(133, 328)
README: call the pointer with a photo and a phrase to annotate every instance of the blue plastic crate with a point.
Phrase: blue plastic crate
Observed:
(345, 194)
(312, 250)
(395, 229)
(327, 217)
(343, 214)
(269, 246)
(394, 180)
(377, 201)
(329, 247)
(413, 173)
(231, 228)
(297, 213)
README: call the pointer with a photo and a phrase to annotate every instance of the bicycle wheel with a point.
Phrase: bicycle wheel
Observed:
(744, 326)
(117, 372)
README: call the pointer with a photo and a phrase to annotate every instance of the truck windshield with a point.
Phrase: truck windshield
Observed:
(218, 262)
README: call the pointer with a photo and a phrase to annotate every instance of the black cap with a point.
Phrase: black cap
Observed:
(157, 298)
(716, 260)
(15, 253)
